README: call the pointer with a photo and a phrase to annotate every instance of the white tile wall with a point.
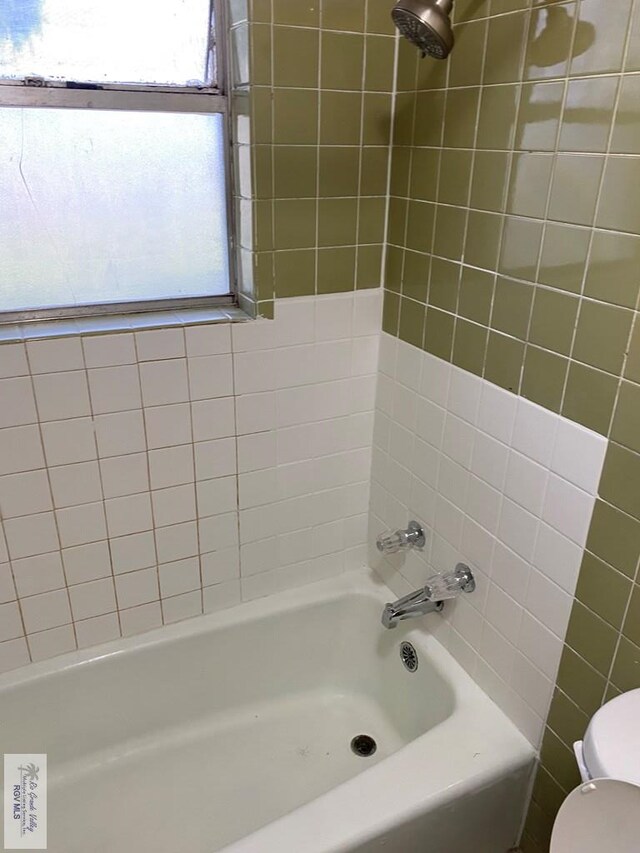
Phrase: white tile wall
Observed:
(150, 477)
(500, 484)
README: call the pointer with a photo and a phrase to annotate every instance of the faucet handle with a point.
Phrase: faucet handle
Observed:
(391, 542)
(449, 584)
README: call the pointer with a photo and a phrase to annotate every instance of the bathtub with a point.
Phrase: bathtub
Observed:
(232, 732)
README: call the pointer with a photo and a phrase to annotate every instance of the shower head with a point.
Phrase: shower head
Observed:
(426, 23)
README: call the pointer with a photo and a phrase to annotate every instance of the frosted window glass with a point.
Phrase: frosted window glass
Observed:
(106, 41)
(102, 207)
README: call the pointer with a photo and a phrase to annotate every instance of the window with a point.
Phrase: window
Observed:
(113, 157)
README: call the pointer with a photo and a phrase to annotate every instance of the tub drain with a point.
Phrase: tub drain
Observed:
(409, 656)
(363, 745)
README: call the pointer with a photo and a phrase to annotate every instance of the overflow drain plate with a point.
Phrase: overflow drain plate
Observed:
(409, 656)
(363, 745)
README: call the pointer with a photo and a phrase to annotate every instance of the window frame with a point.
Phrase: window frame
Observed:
(37, 92)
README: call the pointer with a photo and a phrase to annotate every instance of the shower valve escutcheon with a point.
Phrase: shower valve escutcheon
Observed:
(392, 542)
(429, 599)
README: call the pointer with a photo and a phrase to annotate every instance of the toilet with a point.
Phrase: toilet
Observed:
(602, 815)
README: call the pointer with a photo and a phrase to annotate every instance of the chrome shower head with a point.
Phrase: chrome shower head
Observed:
(426, 23)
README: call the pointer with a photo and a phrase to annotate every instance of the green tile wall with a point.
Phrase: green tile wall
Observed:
(513, 241)
(514, 249)
(317, 134)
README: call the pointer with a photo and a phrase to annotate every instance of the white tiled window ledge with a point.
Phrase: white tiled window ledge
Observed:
(100, 325)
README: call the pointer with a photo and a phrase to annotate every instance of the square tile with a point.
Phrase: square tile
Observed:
(221, 595)
(13, 653)
(136, 588)
(92, 599)
(80, 525)
(62, 395)
(10, 623)
(66, 442)
(129, 553)
(177, 542)
(602, 335)
(114, 389)
(164, 382)
(540, 645)
(255, 412)
(48, 644)
(157, 344)
(592, 638)
(614, 536)
(55, 355)
(526, 482)
(534, 432)
(124, 475)
(254, 372)
(13, 361)
(548, 604)
(497, 413)
(171, 466)
(210, 376)
(220, 566)
(490, 459)
(218, 531)
(42, 573)
(109, 350)
(97, 630)
(256, 451)
(558, 558)
(518, 529)
(120, 433)
(215, 458)
(510, 572)
(179, 577)
(603, 590)
(31, 535)
(174, 505)
(75, 484)
(211, 339)
(181, 607)
(168, 425)
(130, 514)
(568, 509)
(578, 455)
(590, 397)
(84, 563)
(21, 449)
(137, 620)
(17, 403)
(531, 685)
(24, 494)
(213, 418)
(48, 610)
(216, 496)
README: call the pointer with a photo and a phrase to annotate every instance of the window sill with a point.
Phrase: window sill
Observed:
(16, 332)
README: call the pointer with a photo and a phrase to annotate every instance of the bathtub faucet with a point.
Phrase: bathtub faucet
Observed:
(429, 599)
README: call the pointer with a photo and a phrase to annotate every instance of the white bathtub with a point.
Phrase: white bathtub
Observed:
(235, 729)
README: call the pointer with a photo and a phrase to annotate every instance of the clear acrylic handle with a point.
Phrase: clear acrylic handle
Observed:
(390, 542)
(450, 584)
